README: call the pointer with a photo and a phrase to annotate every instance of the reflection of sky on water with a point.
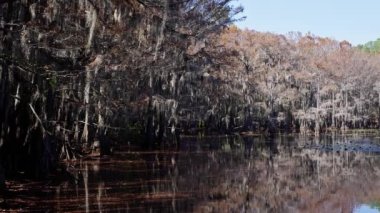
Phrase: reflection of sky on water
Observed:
(366, 209)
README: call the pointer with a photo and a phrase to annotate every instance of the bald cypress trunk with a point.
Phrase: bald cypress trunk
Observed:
(333, 111)
(87, 106)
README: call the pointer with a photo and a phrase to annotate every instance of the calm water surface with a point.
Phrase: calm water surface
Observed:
(219, 174)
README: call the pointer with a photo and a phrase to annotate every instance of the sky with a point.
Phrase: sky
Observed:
(357, 21)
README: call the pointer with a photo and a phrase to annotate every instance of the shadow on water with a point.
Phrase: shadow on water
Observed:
(217, 174)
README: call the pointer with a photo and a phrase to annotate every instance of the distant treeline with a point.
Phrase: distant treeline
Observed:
(301, 83)
(371, 46)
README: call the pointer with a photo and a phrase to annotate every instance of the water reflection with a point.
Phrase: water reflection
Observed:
(366, 209)
(219, 174)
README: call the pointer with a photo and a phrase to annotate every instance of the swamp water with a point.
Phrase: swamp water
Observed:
(218, 174)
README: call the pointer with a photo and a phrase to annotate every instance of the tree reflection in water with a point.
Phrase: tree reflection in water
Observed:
(218, 174)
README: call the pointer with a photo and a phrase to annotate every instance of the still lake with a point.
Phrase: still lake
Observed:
(218, 174)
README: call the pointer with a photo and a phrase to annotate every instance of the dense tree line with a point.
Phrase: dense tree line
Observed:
(80, 74)
(300, 83)
(77, 72)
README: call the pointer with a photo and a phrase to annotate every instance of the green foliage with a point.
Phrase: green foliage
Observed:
(375, 205)
(371, 46)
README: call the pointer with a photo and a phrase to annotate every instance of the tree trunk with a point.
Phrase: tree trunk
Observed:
(100, 108)
(87, 106)
(317, 120)
(333, 112)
